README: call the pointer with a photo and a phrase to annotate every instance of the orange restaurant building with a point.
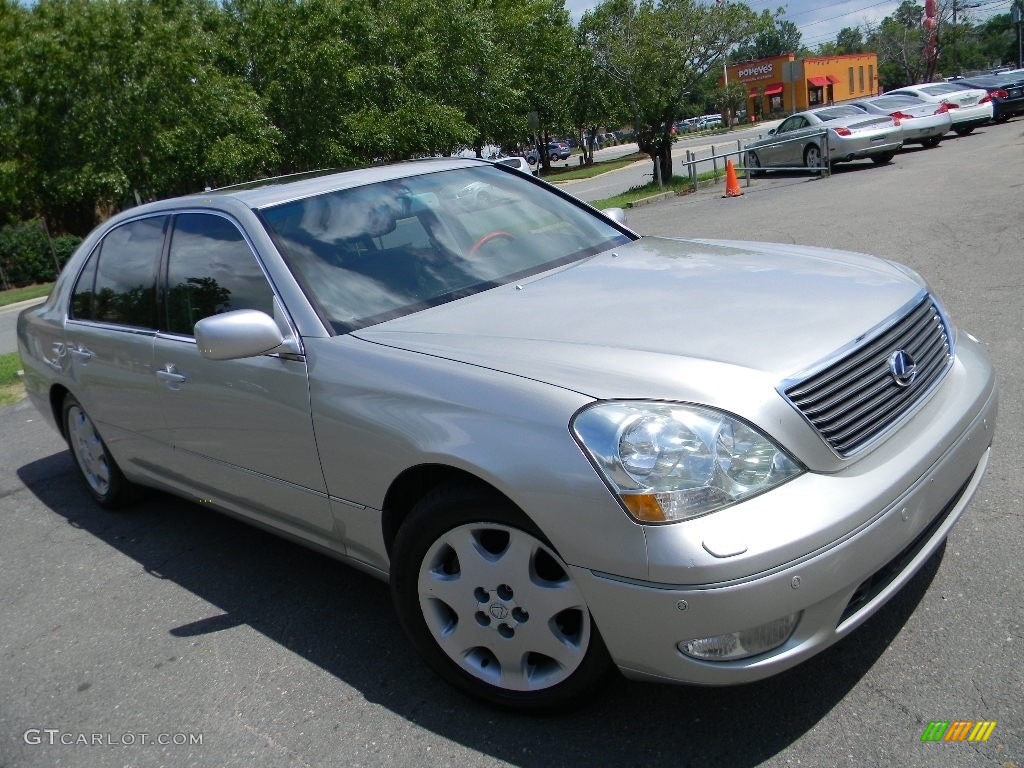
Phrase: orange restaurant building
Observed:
(783, 84)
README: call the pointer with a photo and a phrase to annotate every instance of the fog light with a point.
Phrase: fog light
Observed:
(742, 644)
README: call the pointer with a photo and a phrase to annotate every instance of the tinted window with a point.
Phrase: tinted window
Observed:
(211, 269)
(835, 113)
(81, 298)
(938, 90)
(125, 286)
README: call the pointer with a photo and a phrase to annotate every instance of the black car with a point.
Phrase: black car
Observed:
(1006, 91)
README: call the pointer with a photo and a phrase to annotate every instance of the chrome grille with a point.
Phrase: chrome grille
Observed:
(856, 399)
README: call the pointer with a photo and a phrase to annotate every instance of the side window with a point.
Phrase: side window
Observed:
(210, 270)
(124, 290)
(81, 297)
(792, 124)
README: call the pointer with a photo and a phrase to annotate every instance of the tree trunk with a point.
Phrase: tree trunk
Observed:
(666, 162)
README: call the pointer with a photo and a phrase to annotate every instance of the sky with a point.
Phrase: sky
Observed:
(819, 21)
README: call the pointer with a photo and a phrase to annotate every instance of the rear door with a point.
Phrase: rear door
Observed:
(108, 342)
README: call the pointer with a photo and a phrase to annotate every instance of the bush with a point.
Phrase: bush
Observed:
(26, 257)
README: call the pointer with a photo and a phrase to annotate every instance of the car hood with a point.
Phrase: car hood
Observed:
(665, 318)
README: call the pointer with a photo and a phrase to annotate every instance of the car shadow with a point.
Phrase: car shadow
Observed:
(342, 621)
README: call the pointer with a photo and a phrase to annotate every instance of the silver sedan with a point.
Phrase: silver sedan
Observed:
(921, 122)
(829, 134)
(568, 448)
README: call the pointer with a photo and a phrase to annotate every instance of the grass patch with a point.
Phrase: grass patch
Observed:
(678, 184)
(14, 295)
(11, 388)
(576, 172)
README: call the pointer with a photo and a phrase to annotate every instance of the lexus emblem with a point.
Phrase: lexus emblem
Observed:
(903, 368)
(498, 611)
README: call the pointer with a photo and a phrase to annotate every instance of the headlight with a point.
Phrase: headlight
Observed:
(669, 462)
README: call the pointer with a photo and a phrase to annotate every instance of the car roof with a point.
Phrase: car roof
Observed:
(988, 81)
(267, 193)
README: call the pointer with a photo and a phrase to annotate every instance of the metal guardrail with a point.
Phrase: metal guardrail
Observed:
(692, 161)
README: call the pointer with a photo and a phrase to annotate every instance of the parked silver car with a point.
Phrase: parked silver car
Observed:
(921, 122)
(799, 141)
(568, 448)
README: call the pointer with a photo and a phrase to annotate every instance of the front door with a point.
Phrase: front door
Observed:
(241, 430)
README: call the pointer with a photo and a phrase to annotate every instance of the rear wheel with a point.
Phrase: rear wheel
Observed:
(882, 159)
(812, 157)
(491, 606)
(931, 143)
(97, 468)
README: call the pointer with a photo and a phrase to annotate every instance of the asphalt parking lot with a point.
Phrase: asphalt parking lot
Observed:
(170, 635)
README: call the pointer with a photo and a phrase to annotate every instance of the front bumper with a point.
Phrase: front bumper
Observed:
(835, 587)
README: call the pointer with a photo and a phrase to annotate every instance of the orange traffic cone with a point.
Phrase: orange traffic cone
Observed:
(732, 185)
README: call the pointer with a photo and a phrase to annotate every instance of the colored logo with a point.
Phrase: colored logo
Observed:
(958, 730)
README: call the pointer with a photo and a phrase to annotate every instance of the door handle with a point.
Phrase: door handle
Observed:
(82, 353)
(171, 378)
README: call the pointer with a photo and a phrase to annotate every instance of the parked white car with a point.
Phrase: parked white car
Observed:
(519, 163)
(970, 107)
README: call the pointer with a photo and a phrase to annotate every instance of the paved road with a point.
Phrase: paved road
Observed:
(9, 324)
(639, 173)
(171, 619)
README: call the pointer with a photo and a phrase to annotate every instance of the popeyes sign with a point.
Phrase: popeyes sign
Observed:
(758, 72)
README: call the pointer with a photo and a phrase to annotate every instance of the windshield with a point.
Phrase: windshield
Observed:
(372, 253)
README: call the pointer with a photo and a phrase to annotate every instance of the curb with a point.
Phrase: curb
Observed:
(23, 304)
(652, 199)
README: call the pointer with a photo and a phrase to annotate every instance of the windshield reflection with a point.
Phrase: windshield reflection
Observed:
(371, 253)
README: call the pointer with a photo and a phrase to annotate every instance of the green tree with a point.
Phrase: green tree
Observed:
(778, 36)
(849, 40)
(120, 99)
(899, 41)
(657, 53)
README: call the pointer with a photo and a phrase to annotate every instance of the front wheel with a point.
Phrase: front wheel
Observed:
(963, 130)
(491, 606)
(882, 159)
(753, 163)
(931, 142)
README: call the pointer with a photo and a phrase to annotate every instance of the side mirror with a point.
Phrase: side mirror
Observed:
(237, 334)
(771, 132)
(616, 214)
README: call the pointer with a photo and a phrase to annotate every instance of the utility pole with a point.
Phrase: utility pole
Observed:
(1015, 19)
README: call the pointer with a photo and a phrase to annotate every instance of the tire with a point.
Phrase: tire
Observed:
(963, 130)
(931, 143)
(489, 604)
(812, 157)
(753, 163)
(102, 477)
(883, 159)
(1001, 118)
